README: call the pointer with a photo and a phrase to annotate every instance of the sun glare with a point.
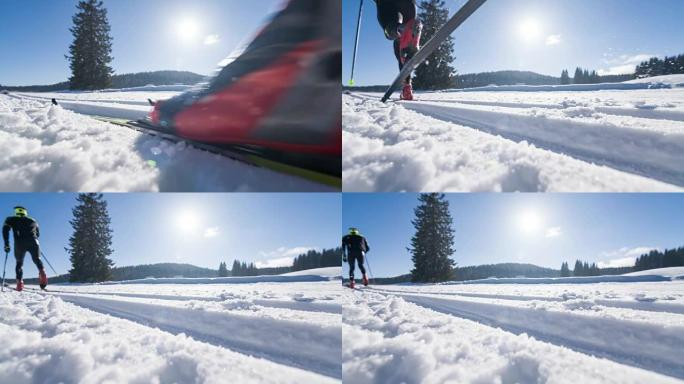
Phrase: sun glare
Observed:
(529, 30)
(188, 222)
(529, 222)
(187, 30)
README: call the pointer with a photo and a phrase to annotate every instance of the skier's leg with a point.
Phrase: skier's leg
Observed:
(351, 262)
(19, 253)
(35, 256)
(361, 261)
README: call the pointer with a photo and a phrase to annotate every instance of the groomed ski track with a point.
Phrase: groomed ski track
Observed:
(46, 145)
(283, 329)
(619, 145)
(442, 322)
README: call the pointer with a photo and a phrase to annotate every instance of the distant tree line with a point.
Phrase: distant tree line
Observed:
(657, 67)
(585, 76)
(474, 80)
(315, 259)
(124, 81)
(503, 270)
(657, 259)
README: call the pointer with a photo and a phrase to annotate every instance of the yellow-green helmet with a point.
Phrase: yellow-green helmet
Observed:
(20, 211)
(354, 231)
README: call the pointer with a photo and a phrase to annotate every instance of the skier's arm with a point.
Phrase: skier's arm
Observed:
(5, 232)
(37, 229)
(365, 243)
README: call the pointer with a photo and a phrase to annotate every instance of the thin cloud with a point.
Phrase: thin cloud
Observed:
(623, 64)
(211, 39)
(553, 40)
(623, 257)
(553, 232)
(281, 257)
(211, 232)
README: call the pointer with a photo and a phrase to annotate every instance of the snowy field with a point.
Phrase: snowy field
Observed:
(601, 137)
(60, 148)
(515, 333)
(265, 332)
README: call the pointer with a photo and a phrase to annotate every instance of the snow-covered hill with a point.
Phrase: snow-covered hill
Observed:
(506, 139)
(59, 148)
(515, 333)
(260, 332)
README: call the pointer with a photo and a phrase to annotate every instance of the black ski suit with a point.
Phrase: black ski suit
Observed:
(355, 246)
(391, 14)
(26, 233)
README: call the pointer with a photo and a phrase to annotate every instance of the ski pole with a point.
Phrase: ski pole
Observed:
(48, 262)
(356, 43)
(370, 271)
(3, 271)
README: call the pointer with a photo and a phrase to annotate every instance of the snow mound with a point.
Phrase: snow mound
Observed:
(335, 272)
(672, 272)
(569, 280)
(47, 148)
(426, 146)
(673, 80)
(304, 277)
(47, 340)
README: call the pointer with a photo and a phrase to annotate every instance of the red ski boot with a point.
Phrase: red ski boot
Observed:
(409, 40)
(42, 279)
(407, 92)
(20, 285)
(365, 280)
(351, 283)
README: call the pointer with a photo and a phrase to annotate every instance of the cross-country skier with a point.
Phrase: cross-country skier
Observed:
(26, 233)
(398, 20)
(281, 92)
(354, 248)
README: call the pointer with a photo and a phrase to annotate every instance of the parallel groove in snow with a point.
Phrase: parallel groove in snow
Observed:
(648, 153)
(305, 346)
(623, 341)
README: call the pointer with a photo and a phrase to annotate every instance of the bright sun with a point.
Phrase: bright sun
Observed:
(529, 222)
(188, 222)
(187, 30)
(529, 30)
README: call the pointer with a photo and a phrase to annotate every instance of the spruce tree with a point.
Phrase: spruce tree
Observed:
(433, 243)
(579, 76)
(565, 77)
(223, 270)
(90, 52)
(565, 270)
(90, 245)
(436, 71)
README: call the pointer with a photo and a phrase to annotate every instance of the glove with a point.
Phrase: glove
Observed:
(7, 248)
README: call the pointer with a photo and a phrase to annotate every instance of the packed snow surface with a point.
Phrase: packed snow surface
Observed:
(288, 332)
(673, 272)
(515, 333)
(560, 139)
(47, 148)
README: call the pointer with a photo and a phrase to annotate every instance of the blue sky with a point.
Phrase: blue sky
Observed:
(543, 36)
(154, 228)
(148, 35)
(542, 229)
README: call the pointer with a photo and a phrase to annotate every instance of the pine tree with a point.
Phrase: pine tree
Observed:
(223, 270)
(577, 271)
(90, 52)
(433, 243)
(565, 77)
(578, 79)
(565, 270)
(90, 245)
(436, 71)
